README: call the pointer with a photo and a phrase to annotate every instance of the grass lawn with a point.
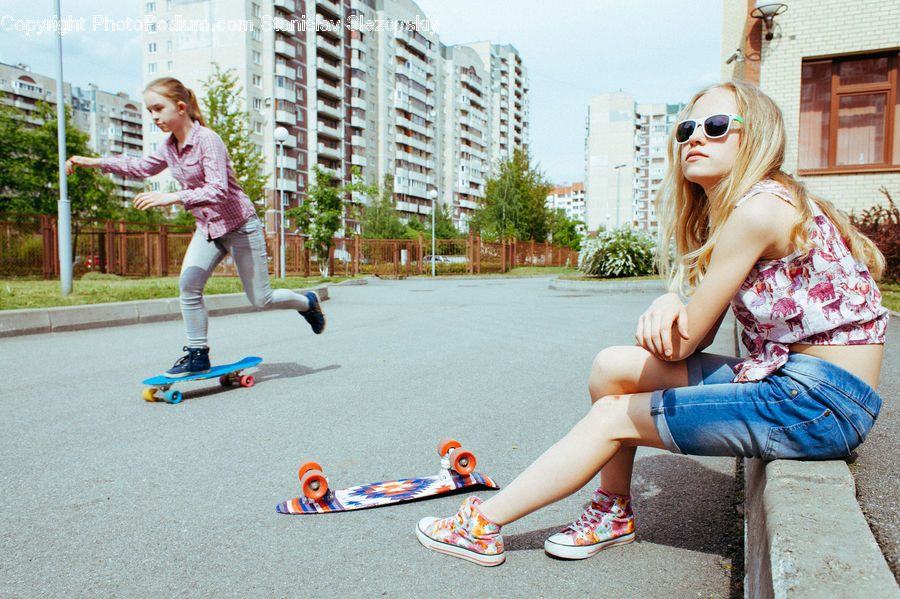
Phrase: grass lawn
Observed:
(891, 295)
(102, 288)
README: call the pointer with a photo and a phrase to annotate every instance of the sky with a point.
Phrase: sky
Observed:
(573, 50)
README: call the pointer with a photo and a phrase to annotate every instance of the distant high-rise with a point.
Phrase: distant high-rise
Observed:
(625, 159)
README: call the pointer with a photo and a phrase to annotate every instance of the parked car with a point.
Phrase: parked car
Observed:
(436, 259)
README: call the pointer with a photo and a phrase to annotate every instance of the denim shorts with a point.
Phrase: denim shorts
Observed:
(809, 409)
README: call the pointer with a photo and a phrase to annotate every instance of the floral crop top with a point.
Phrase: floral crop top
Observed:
(825, 297)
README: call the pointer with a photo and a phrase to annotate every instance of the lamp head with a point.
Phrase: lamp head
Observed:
(767, 10)
(280, 134)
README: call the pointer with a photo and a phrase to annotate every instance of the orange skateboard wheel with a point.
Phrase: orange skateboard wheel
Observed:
(314, 484)
(307, 466)
(462, 460)
(445, 445)
(246, 380)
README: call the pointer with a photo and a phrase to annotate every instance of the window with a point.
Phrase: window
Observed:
(151, 48)
(151, 67)
(850, 113)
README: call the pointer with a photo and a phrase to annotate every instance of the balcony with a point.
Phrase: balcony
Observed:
(329, 46)
(358, 122)
(358, 160)
(327, 130)
(282, 70)
(287, 5)
(358, 141)
(331, 6)
(329, 68)
(329, 110)
(285, 49)
(286, 184)
(285, 117)
(357, 102)
(331, 88)
(284, 93)
(330, 151)
(286, 162)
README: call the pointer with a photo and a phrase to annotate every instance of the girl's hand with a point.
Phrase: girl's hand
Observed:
(84, 161)
(154, 199)
(654, 330)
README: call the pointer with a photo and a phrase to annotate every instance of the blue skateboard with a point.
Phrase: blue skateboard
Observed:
(229, 374)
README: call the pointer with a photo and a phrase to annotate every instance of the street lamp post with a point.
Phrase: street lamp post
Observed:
(281, 135)
(433, 194)
(618, 170)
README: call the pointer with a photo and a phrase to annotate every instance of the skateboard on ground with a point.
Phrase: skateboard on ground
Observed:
(228, 374)
(457, 472)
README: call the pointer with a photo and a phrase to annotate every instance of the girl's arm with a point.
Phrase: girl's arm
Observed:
(758, 228)
(136, 168)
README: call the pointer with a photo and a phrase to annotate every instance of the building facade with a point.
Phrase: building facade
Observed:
(570, 199)
(361, 84)
(112, 121)
(625, 159)
(836, 77)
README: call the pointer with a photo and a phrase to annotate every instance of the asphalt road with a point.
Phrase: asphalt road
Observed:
(105, 495)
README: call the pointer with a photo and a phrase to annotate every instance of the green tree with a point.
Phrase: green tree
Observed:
(565, 230)
(514, 203)
(29, 167)
(443, 225)
(319, 215)
(380, 219)
(222, 107)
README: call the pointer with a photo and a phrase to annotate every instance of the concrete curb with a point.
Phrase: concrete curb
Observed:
(609, 285)
(806, 536)
(92, 316)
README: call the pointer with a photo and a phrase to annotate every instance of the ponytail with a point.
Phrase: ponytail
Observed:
(174, 90)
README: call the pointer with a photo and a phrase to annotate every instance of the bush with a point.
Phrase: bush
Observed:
(622, 252)
(882, 225)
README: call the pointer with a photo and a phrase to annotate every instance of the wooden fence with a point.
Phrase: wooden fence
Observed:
(28, 247)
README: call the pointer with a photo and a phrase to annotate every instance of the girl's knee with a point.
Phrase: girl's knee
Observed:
(612, 369)
(191, 282)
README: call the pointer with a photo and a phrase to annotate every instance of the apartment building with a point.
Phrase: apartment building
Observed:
(465, 132)
(569, 198)
(112, 121)
(357, 83)
(509, 113)
(625, 159)
(288, 57)
(652, 125)
(834, 69)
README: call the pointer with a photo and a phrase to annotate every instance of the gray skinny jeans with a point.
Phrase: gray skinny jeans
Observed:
(247, 246)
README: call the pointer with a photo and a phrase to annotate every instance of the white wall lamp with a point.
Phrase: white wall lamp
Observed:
(766, 11)
(737, 55)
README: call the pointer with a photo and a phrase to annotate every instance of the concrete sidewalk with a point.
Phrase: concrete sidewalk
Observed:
(805, 534)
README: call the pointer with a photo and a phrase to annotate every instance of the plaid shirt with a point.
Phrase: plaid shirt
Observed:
(210, 190)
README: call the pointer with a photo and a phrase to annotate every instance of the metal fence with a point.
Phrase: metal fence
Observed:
(28, 247)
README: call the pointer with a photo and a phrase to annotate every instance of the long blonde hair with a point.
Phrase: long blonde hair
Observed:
(174, 90)
(690, 222)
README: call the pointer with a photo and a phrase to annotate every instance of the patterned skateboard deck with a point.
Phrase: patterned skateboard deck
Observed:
(385, 493)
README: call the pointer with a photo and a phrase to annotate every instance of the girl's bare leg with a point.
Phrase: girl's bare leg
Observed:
(614, 422)
(629, 369)
(619, 421)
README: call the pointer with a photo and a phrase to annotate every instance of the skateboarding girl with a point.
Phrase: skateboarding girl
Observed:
(800, 280)
(225, 217)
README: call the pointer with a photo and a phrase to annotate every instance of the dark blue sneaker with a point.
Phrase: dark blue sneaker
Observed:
(314, 315)
(195, 362)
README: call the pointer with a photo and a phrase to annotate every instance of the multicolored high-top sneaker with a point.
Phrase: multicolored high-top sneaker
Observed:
(467, 535)
(607, 521)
